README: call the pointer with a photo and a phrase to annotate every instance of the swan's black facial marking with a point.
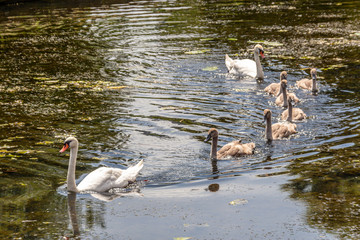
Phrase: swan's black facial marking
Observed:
(66, 146)
(67, 143)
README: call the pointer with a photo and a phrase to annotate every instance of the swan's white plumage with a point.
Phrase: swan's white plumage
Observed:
(100, 180)
(104, 178)
(247, 67)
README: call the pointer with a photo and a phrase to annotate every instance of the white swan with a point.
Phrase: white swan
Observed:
(247, 67)
(309, 84)
(100, 180)
(232, 149)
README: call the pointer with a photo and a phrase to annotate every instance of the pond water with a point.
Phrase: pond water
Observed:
(146, 80)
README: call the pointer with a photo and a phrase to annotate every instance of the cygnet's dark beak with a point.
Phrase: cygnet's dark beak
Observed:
(208, 138)
(265, 117)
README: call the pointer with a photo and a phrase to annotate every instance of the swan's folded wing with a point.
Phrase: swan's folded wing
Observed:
(298, 114)
(100, 180)
(304, 83)
(245, 67)
(286, 129)
(246, 149)
(225, 150)
(273, 88)
(285, 114)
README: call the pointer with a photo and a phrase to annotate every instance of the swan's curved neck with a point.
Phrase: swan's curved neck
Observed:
(71, 184)
(268, 130)
(214, 144)
(259, 70)
(314, 87)
(290, 110)
(285, 104)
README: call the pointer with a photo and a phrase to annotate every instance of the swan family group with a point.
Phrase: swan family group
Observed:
(103, 179)
(284, 129)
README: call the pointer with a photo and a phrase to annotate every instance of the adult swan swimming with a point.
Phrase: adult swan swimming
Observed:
(100, 180)
(247, 67)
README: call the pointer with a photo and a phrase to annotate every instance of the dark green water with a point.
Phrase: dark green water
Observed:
(147, 79)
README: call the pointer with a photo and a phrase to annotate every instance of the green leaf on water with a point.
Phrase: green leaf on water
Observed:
(24, 151)
(116, 87)
(44, 143)
(274, 44)
(282, 57)
(197, 51)
(256, 41)
(42, 78)
(210, 69)
(335, 66)
(309, 57)
(232, 39)
(206, 39)
(98, 158)
(268, 43)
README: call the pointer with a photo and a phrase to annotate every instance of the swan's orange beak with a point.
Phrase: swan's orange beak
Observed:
(262, 54)
(66, 146)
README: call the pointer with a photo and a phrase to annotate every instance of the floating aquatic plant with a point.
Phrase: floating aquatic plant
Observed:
(206, 39)
(268, 43)
(44, 143)
(210, 69)
(197, 51)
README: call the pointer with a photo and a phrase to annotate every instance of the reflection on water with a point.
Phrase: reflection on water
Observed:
(72, 213)
(147, 79)
(73, 217)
